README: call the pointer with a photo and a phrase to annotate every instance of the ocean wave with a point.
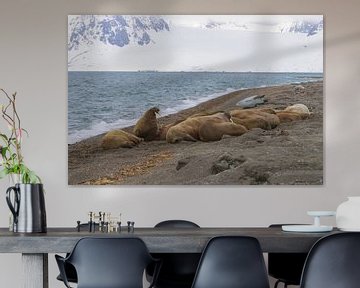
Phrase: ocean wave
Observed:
(172, 92)
(98, 128)
(188, 103)
(102, 127)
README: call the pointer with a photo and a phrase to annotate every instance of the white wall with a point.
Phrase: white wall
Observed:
(33, 62)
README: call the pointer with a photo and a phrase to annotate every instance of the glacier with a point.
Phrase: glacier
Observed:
(114, 30)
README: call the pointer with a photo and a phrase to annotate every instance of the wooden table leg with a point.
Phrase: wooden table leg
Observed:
(35, 270)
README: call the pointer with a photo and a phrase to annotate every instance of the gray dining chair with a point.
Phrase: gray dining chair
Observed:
(285, 267)
(70, 271)
(333, 262)
(178, 269)
(108, 263)
(232, 262)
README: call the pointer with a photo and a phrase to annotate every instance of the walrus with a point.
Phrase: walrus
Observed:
(119, 138)
(214, 131)
(298, 108)
(255, 118)
(189, 129)
(163, 129)
(286, 116)
(147, 126)
(293, 113)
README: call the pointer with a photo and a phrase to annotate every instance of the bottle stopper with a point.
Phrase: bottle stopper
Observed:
(78, 226)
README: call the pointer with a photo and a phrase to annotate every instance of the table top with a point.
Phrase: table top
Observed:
(158, 240)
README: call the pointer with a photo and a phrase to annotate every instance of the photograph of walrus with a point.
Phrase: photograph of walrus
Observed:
(195, 99)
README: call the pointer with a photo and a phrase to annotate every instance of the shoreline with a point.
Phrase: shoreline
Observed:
(290, 154)
(202, 106)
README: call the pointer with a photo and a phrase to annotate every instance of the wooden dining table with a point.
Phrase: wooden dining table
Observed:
(35, 247)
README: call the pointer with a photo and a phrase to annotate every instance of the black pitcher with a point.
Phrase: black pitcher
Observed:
(28, 208)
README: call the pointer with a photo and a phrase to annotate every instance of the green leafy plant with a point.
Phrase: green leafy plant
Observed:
(11, 159)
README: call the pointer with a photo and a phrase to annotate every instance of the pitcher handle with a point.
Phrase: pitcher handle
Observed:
(13, 208)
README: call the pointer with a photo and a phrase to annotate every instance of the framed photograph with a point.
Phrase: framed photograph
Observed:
(195, 99)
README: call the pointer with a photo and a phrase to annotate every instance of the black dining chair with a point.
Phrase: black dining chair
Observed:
(232, 262)
(70, 271)
(286, 267)
(108, 263)
(178, 269)
(333, 262)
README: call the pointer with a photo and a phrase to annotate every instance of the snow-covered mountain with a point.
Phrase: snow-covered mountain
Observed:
(306, 27)
(230, 25)
(122, 30)
(114, 30)
(195, 43)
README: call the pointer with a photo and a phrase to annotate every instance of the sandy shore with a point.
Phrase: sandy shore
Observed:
(290, 154)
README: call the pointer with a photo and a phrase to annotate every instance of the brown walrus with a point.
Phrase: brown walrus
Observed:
(163, 129)
(293, 113)
(204, 128)
(255, 118)
(119, 138)
(147, 126)
(214, 131)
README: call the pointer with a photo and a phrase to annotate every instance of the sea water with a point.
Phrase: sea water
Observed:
(101, 101)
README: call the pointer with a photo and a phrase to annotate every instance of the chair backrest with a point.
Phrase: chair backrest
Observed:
(176, 224)
(178, 269)
(286, 267)
(333, 262)
(110, 262)
(232, 262)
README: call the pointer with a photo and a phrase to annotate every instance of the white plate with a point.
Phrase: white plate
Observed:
(321, 213)
(306, 228)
